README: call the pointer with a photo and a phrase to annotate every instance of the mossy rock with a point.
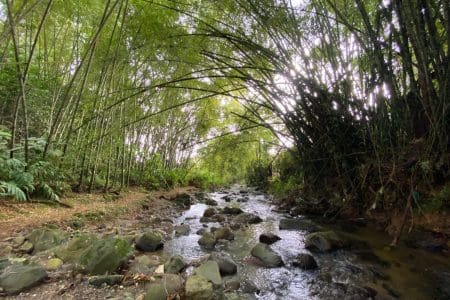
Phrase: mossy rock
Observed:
(44, 239)
(95, 256)
(17, 278)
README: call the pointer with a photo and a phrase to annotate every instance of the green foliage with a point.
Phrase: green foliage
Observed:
(258, 174)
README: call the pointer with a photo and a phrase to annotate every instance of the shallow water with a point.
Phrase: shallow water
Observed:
(403, 274)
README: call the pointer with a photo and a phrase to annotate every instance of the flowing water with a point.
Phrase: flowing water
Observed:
(341, 275)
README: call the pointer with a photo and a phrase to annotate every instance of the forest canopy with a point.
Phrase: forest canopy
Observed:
(346, 103)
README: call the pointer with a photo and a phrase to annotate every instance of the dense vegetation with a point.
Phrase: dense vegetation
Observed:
(343, 104)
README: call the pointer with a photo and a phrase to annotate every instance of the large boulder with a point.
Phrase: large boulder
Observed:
(210, 270)
(267, 256)
(226, 264)
(223, 233)
(207, 241)
(305, 261)
(298, 224)
(323, 241)
(149, 241)
(17, 278)
(247, 218)
(169, 284)
(199, 288)
(95, 256)
(228, 210)
(182, 229)
(268, 238)
(175, 264)
(45, 238)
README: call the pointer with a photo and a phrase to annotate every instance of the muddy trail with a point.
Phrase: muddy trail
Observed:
(229, 244)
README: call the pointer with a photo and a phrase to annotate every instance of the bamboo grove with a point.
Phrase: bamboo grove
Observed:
(111, 91)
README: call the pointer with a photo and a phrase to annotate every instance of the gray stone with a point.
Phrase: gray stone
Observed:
(267, 256)
(149, 241)
(175, 264)
(209, 212)
(182, 229)
(44, 239)
(168, 284)
(269, 238)
(17, 278)
(305, 261)
(207, 241)
(226, 264)
(199, 288)
(210, 270)
(98, 281)
(323, 241)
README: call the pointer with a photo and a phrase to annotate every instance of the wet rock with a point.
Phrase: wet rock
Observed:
(323, 241)
(95, 256)
(175, 264)
(298, 224)
(206, 220)
(246, 218)
(429, 241)
(201, 231)
(211, 202)
(111, 280)
(267, 256)
(209, 212)
(149, 241)
(183, 199)
(45, 238)
(269, 238)
(169, 284)
(224, 233)
(53, 264)
(305, 261)
(183, 229)
(295, 211)
(227, 198)
(199, 288)
(17, 278)
(207, 241)
(232, 285)
(210, 270)
(226, 264)
(228, 210)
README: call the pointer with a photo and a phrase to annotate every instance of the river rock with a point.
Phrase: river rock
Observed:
(209, 201)
(269, 257)
(209, 212)
(110, 280)
(223, 233)
(226, 264)
(228, 210)
(269, 238)
(149, 241)
(247, 218)
(175, 264)
(44, 239)
(183, 199)
(323, 241)
(210, 270)
(305, 261)
(201, 231)
(169, 284)
(95, 256)
(182, 229)
(207, 241)
(199, 288)
(227, 198)
(17, 278)
(298, 224)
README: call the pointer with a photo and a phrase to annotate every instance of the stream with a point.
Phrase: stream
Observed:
(371, 271)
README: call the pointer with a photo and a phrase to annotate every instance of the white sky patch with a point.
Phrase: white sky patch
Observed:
(2, 13)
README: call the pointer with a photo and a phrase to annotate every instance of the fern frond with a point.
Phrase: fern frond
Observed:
(48, 192)
(10, 189)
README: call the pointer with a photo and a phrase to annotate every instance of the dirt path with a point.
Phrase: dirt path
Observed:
(17, 217)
